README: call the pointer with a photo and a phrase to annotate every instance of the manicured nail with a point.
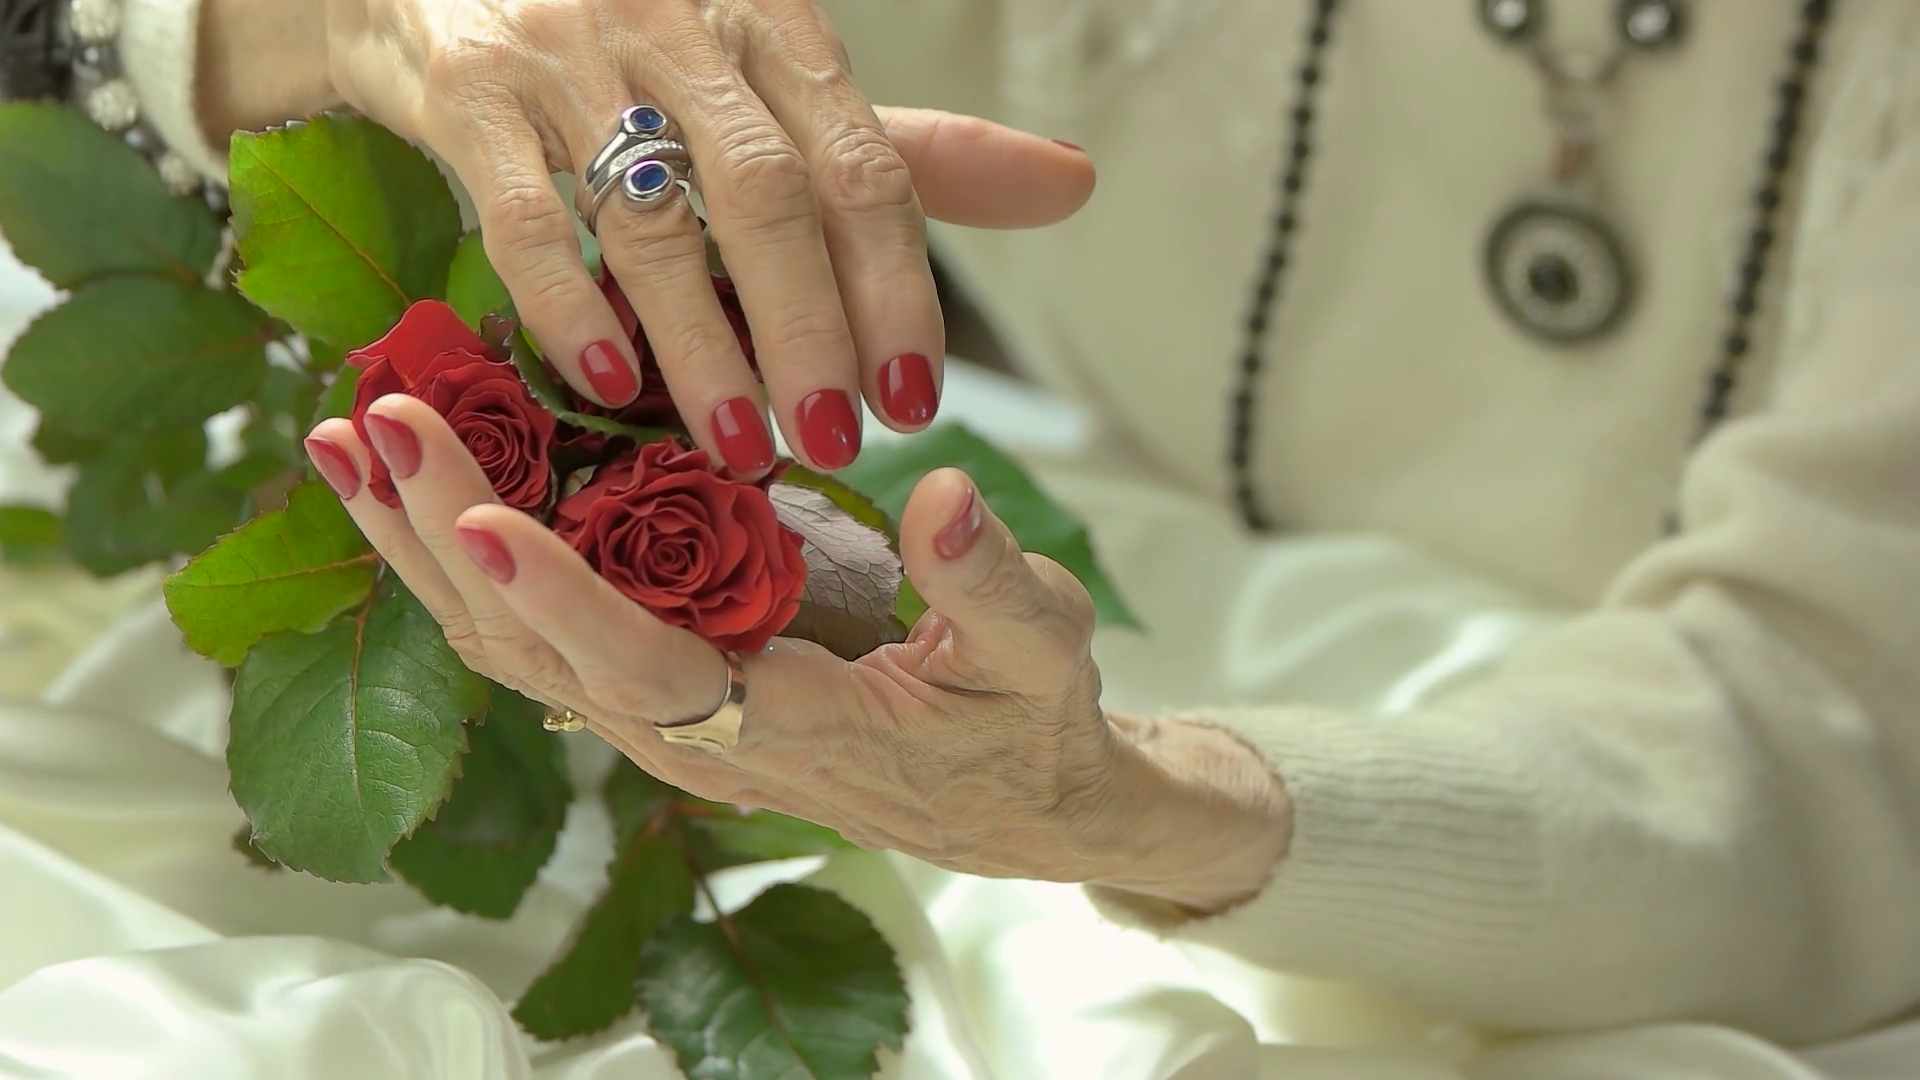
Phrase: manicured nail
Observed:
(608, 374)
(487, 551)
(396, 444)
(336, 467)
(829, 430)
(1068, 145)
(741, 430)
(907, 391)
(956, 538)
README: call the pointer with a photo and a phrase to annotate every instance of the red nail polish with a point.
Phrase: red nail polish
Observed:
(907, 391)
(956, 538)
(1068, 145)
(741, 430)
(609, 374)
(829, 429)
(336, 467)
(396, 444)
(487, 551)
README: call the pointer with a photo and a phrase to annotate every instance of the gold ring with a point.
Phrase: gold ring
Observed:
(564, 720)
(718, 731)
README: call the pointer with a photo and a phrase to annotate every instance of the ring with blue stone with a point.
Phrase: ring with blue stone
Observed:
(645, 170)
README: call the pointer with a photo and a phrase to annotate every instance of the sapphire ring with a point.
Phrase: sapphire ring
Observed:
(642, 162)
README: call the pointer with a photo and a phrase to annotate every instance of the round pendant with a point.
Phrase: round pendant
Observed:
(1559, 272)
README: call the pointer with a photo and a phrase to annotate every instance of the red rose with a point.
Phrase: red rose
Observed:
(433, 356)
(696, 549)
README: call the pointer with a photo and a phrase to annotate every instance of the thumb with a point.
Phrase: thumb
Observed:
(1019, 619)
(976, 173)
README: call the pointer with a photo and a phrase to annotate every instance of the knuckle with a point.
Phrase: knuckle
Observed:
(769, 181)
(523, 214)
(470, 72)
(817, 329)
(864, 174)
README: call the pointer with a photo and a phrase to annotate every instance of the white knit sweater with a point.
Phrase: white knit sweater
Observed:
(1703, 799)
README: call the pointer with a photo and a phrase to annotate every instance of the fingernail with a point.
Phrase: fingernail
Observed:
(487, 551)
(957, 537)
(741, 430)
(608, 374)
(1068, 145)
(396, 444)
(829, 430)
(336, 467)
(907, 391)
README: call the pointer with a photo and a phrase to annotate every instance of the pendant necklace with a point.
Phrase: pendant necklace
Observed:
(1554, 264)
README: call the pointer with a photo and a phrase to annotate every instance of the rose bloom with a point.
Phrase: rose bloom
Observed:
(696, 549)
(432, 355)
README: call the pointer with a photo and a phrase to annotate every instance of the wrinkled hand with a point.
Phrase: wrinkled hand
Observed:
(979, 744)
(811, 194)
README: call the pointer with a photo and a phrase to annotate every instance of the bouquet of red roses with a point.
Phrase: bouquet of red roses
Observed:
(355, 280)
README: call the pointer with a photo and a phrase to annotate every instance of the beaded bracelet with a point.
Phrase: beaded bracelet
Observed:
(68, 51)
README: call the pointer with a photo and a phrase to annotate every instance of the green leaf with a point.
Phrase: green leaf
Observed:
(486, 844)
(293, 569)
(345, 740)
(855, 502)
(474, 290)
(323, 358)
(139, 354)
(141, 500)
(29, 534)
(243, 843)
(731, 836)
(337, 400)
(532, 372)
(78, 204)
(853, 574)
(591, 985)
(341, 225)
(58, 447)
(798, 983)
(889, 473)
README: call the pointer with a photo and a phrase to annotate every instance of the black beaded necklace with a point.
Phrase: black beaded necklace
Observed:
(1802, 55)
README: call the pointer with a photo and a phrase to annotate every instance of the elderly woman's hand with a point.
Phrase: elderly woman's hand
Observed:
(979, 744)
(812, 199)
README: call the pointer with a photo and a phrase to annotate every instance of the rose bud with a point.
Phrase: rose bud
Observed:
(432, 355)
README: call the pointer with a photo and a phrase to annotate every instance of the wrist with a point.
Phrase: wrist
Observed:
(261, 62)
(1201, 821)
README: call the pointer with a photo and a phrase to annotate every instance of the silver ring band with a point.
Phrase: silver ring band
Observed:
(718, 731)
(640, 162)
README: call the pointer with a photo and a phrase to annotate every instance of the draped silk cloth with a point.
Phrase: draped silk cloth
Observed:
(134, 941)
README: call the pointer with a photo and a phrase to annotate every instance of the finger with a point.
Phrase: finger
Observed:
(875, 232)
(976, 173)
(1017, 619)
(530, 238)
(344, 462)
(760, 203)
(438, 480)
(628, 662)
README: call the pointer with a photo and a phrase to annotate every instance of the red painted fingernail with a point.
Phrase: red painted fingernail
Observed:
(336, 467)
(395, 443)
(608, 373)
(741, 430)
(487, 551)
(957, 537)
(829, 429)
(1068, 145)
(907, 391)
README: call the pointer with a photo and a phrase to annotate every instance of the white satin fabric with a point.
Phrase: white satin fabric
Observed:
(134, 942)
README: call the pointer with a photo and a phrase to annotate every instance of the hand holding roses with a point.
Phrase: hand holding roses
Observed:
(979, 744)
